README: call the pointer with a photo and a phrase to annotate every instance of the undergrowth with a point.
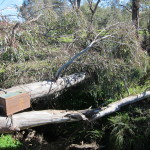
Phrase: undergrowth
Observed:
(7, 142)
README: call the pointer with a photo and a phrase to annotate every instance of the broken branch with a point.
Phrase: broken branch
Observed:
(43, 88)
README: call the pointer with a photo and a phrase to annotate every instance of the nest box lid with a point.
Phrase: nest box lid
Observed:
(11, 94)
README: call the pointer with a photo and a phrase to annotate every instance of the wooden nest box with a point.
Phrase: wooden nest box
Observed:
(13, 102)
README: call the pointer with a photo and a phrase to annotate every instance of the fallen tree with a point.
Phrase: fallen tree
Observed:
(43, 88)
(25, 120)
(30, 119)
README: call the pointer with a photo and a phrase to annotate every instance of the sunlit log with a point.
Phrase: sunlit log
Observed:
(30, 119)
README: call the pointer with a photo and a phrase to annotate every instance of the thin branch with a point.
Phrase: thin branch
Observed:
(90, 6)
(34, 19)
(126, 8)
(2, 2)
(93, 10)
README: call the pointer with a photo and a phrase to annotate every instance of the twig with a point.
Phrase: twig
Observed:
(126, 8)
(34, 19)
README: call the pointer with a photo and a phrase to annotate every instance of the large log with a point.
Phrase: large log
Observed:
(43, 88)
(26, 120)
(36, 118)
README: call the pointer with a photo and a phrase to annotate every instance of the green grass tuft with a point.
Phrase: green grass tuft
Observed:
(7, 142)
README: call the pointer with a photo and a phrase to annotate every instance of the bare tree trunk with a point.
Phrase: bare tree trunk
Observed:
(75, 3)
(135, 12)
(25, 120)
(78, 3)
(93, 10)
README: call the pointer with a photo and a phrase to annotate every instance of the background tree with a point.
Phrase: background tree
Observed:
(135, 12)
(75, 3)
(32, 8)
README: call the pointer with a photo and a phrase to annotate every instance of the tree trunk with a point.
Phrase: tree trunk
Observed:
(93, 10)
(78, 3)
(26, 120)
(43, 88)
(75, 3)
(135, 12)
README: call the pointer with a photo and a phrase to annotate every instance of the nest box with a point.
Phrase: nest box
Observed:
(13, 102)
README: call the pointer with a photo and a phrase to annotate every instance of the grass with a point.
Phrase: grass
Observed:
(137, 89)
(65, 39)
(7, 142)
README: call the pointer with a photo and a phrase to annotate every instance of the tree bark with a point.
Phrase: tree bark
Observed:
(93, 10)
(83, 146)
(75, 3)
(25, 120)
(43, 88)
(78, 3)
(135, 12)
